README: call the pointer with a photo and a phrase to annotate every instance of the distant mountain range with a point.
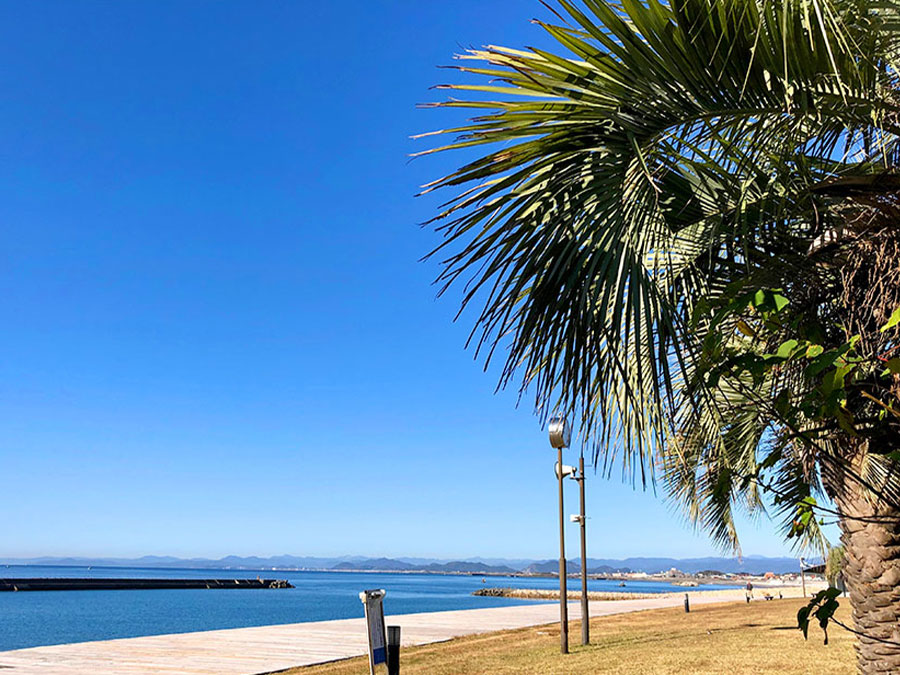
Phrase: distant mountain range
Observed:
(750, 564)
(454, 566)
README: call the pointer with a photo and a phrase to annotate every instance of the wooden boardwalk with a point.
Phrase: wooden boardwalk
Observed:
(265, 649)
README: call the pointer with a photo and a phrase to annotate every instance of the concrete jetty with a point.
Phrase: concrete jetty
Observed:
(113, 584)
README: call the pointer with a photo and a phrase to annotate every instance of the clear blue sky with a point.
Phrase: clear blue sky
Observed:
(216, 337)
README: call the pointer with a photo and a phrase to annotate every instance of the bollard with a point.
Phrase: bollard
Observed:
(393, 650)
(687, 604)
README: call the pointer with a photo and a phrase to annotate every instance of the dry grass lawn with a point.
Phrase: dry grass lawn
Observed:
(733, 638)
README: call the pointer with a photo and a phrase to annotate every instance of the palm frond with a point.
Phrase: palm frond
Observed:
(666, 151)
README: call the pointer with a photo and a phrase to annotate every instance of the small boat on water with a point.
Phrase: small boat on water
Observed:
(621, 583)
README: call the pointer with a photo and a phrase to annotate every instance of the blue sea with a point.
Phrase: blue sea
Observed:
(30, 619)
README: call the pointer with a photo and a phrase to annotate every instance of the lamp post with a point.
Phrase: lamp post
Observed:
(803, 575)
(560, 435)
(585, 615)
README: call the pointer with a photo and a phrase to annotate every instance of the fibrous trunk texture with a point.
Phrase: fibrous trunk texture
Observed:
(872, 576)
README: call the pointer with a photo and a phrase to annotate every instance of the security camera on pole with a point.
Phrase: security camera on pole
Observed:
(560, 435)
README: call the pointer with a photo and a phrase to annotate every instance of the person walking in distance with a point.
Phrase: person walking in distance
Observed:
(749, 591)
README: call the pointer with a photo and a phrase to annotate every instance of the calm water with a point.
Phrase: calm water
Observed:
(31, 619)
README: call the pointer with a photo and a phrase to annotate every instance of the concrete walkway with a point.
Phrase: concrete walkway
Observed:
(265, 649)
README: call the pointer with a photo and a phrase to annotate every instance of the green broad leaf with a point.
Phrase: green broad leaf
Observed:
(814, 350)
(834, 380)
(780, 301)
(892, 321)
(823, 361)
(893, 365)
(826, 612)
(803, 621)
(787, 348)
(768, 300)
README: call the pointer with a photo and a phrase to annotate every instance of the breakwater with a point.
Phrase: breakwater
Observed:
(95, 584)
(546, 594)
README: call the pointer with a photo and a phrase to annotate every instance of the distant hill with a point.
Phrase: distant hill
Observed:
(452, 567)
(606, 569)
(470, 567)
(380, 564)
(552, 567)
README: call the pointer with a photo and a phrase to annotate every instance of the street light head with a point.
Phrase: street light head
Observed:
(560, 432)
(567, 471)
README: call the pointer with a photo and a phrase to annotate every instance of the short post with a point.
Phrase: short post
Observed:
(373, 602)
(393, 650)
(687, 604)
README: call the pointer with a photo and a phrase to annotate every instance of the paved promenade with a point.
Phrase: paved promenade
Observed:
(265, 649)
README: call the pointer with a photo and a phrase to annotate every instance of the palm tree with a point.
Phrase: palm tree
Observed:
(684, 229)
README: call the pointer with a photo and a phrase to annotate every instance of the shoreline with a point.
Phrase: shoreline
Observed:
(760, 592)
(407, 594)
(261, 649)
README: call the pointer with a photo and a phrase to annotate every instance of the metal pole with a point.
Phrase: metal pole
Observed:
(393, 650)
(563, 593)
(585, 614)
(803, 577)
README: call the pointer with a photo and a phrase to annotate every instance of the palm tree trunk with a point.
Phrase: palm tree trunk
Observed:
(872, 576)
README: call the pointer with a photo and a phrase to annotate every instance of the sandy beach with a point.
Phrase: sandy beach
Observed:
(760, 591)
